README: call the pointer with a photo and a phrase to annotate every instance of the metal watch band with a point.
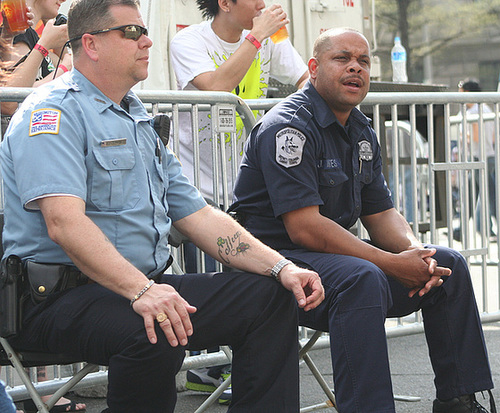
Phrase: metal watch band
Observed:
(275, 271)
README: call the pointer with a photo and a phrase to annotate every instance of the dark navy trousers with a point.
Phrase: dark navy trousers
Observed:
(359, 297)
(253, 314)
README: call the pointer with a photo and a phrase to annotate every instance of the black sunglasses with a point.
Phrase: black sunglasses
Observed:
(131, 31)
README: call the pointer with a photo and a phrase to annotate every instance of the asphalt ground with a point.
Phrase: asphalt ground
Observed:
(410, 366)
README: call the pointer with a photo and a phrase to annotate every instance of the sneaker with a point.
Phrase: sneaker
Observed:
(226, 396)
(463, 404)
(202, 380)
(207, 379)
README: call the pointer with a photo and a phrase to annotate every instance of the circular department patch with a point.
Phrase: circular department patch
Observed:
(289, 146)
(365, 151)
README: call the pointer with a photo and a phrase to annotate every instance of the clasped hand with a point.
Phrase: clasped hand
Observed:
(416, 269)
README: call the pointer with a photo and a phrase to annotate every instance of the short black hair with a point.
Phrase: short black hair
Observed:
(209, 8)
(469, 85)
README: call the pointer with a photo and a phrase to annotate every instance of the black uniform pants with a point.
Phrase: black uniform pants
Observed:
(358, 299)
(253, 314)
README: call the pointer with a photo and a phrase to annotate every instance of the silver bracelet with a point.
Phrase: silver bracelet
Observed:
(275, 271)
(140, 293)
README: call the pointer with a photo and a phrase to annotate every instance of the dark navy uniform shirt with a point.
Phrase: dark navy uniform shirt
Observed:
(299, 155)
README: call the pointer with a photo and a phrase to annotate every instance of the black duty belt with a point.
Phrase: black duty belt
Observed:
(46, 279)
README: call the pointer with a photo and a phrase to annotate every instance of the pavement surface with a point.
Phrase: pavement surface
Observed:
(411, 372)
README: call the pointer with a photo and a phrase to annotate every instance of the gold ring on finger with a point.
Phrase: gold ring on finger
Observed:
(161, 317)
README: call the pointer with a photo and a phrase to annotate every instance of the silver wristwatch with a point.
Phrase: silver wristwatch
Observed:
(275, 271)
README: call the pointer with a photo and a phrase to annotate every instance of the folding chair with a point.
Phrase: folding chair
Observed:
(320, 340)
(304, 348)
(21, 360)
(176, 240)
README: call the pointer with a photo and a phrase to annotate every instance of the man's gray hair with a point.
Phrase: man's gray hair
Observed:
(87, 16)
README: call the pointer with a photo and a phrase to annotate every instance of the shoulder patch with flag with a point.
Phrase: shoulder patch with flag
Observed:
(45, 121)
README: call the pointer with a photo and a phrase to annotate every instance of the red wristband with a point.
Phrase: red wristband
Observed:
(63, 68)
(253, 40)
(41, 49)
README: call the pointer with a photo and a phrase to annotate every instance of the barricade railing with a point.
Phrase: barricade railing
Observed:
(420, 166)
(433, 165)
(457, 176)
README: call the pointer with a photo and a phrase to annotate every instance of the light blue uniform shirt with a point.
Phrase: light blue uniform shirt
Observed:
(68, 138)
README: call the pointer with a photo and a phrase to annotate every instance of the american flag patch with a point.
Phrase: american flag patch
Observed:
(45, 121)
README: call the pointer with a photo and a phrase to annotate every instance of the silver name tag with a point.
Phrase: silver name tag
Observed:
(114, 142)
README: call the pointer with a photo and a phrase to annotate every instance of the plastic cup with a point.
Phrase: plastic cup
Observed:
(15, 12)
(280, 35)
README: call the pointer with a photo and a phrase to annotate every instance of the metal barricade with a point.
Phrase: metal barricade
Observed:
(426, 171)
(222, 106)
(428, 182)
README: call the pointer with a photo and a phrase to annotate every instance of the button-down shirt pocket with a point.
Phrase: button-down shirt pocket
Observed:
(114, 185)
(330, 185)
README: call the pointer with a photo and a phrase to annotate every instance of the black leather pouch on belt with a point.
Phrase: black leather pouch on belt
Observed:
(47, 279)
(11, 280)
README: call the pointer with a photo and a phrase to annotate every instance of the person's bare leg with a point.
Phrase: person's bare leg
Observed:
(41, 374)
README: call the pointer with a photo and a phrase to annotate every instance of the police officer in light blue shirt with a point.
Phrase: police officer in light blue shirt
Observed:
(112, 149)
(91, 196)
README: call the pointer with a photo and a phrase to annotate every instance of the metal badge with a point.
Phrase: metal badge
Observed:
(365, 151)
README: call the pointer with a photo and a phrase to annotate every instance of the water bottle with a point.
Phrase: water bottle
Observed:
(398, 59)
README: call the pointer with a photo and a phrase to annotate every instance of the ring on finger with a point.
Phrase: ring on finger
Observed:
(161, 317)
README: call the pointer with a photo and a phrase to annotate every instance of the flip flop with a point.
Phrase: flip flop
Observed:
(29, 407)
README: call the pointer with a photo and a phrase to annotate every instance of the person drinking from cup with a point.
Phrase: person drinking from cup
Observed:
(231, 51)
(35, 57)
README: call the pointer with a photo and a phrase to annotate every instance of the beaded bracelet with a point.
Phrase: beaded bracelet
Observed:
(140, 293)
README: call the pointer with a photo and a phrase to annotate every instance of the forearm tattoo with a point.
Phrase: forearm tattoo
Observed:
(230, 247)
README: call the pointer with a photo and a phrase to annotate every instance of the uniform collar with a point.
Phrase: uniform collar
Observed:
(323, 114)
(78, 82)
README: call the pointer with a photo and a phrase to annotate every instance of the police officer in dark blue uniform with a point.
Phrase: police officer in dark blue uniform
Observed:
(311, 168)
